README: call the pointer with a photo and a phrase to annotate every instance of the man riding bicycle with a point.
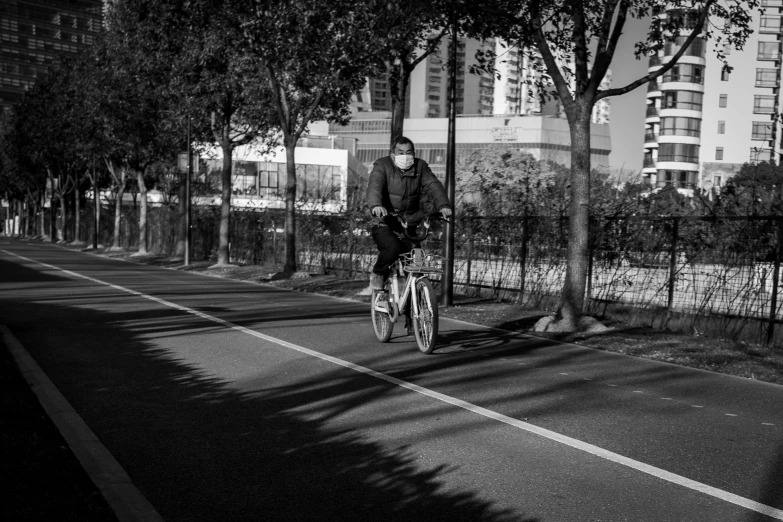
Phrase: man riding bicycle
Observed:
(395, 187)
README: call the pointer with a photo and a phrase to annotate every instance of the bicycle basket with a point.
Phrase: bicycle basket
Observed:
(418, 261)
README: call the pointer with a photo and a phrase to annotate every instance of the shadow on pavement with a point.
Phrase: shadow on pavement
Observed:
(200, 449)
(21, 274)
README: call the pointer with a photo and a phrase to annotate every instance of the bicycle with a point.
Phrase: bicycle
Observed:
(415, 298)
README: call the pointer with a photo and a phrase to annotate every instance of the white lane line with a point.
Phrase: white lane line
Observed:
(731, 415)
(530, 428)
(767, 424)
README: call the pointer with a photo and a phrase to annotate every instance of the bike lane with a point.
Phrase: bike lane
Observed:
(598, 398)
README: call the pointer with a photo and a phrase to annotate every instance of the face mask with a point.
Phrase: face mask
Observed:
(403, 161)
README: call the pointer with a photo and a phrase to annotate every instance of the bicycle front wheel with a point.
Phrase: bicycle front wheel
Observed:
(381, 321)
(425, 325)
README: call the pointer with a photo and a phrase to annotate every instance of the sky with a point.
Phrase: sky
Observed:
(626, 121)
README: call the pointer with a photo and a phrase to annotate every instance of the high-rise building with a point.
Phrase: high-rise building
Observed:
(477, 94)
(704, 122)
(34, 32)
(430, 82)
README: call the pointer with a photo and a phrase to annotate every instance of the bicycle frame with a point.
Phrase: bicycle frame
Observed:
(401, 300)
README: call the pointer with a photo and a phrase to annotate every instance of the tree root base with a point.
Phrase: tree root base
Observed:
(586, 324)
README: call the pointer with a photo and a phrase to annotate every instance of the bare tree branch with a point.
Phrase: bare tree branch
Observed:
(655, 74)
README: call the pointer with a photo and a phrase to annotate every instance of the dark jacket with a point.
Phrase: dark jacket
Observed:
(400, 192)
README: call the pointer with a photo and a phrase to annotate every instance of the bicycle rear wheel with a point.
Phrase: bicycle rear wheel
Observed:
(425, 326)
(381, 321)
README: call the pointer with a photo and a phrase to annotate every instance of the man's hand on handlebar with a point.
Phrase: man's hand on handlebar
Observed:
(379, 211)
(446, 213)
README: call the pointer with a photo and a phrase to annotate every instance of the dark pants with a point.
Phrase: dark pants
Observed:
(390, 246)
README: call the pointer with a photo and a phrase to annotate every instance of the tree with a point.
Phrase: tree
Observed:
(219, 84)
(571, 45)
(315, 55)
(135, 88)
(757, 189)
(408, 32)
(503, 182)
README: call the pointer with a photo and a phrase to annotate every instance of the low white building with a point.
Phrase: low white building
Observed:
(327, 175)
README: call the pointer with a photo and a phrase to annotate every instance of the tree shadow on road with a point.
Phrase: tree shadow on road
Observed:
(201, 449)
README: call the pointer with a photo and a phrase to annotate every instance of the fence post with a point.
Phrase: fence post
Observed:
(672, 267)
(523, 258)
(470, 258)
(773, 303)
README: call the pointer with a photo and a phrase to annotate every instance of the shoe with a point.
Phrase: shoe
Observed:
(376, 281)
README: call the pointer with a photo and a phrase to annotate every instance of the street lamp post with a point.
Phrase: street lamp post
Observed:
(447, 290)
(187, 198)
(97, 204)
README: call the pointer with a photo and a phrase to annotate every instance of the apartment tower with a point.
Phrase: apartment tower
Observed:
(703, 122)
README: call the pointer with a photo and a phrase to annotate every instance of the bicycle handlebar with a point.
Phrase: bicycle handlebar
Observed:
(426, 222)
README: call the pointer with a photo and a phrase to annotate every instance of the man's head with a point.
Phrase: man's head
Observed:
(402, 146)
(402, 152)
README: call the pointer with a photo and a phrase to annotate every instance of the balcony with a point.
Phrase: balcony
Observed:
(688, 78)
(678, 158)
(652, 110)
(655, 60)
(650, 137)
(648, 162)
(766, 83)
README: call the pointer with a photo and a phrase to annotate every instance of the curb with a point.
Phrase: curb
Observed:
(124, 498)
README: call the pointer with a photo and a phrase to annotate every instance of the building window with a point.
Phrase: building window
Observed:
(244, 180)
(757, 155)
(768, 51)
(717, 180)
(719, 153)
(689, 100)
(723, 100)
(771, 3)
(677, 178)
(767, 77)
(721, 127)
(724, 75)
(685, 72)
(763, 104)
(685, 152)
(697, 48)
(680, 126)
(269, 178)
(770, 24)
(762, 130)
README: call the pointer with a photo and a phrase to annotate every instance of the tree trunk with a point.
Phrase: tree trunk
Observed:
(96, 210)
(28, 218)
(115, 244)
(42, 213)
(64, 212)
(179, 249)
(142, 212)
(52, 213)
(77, 217)
(398, 104)
(224, 255)
(290, 205)
(572, 298)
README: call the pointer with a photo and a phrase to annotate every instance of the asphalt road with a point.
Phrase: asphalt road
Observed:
(233, 401)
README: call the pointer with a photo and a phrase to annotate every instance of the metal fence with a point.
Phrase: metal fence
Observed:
(725, 269)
